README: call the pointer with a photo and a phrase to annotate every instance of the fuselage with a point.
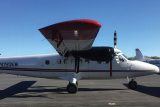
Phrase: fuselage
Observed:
(55, 66)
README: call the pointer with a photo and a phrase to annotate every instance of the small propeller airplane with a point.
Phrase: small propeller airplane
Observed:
(139, 56)
(77, 58)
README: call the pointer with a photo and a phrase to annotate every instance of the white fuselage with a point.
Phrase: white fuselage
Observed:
(55, 66)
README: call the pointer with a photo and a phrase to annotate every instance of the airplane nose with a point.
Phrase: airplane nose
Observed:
(153, 68)
(146, 66)
(156, 69)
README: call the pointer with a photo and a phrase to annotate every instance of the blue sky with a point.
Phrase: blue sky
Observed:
(137, 23)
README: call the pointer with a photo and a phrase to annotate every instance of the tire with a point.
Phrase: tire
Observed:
(72, 88)
(132, 85)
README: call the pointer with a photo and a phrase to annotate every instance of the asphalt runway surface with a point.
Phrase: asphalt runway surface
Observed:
(21, 91)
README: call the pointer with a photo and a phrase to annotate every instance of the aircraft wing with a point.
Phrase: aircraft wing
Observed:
(74, 35)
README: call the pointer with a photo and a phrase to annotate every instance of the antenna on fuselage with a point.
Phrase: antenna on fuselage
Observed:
(115, 39)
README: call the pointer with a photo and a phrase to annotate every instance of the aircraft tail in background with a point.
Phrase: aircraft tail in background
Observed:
(139, 56)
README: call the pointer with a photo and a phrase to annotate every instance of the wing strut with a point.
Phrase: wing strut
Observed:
(77, 59)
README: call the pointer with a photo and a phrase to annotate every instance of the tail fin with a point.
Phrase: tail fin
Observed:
(139, 55)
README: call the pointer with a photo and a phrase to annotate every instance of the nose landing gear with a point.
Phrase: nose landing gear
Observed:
(72, 88)
(132, 84)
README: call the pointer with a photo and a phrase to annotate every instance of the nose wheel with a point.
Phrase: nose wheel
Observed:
(132, 84)
(72, 88)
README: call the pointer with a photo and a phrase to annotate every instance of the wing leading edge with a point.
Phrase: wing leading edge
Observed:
(75, 35)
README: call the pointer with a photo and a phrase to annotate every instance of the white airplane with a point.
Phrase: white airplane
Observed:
(139, 56)
(77, 58)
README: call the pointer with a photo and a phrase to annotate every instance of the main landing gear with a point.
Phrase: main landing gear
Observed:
(72, 88)
(132, 84)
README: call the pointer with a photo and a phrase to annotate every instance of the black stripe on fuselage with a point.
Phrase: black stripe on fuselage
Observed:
(65, 70)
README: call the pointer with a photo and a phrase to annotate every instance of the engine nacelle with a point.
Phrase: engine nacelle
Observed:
(95, 54)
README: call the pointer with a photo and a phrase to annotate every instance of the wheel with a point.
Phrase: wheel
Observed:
(72, 88)
(132, 84)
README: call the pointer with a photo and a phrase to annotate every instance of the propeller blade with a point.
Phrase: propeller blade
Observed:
(115, 39)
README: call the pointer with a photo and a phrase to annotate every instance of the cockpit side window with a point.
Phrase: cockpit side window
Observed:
(121, 58)
(47, 62)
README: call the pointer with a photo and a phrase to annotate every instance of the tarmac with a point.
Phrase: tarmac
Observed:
(21, 91)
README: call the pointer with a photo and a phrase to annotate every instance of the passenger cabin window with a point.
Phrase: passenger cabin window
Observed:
(59, 61)
(47, 62)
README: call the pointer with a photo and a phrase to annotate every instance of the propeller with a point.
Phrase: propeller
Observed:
(115, 39)
(115, 44)
(77, 54)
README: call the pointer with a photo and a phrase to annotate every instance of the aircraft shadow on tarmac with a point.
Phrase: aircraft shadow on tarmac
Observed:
(153, 91)
(15, 89)
(22, 87)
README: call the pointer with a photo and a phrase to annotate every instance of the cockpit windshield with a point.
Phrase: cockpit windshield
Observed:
(125, 56)
(120, 55)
